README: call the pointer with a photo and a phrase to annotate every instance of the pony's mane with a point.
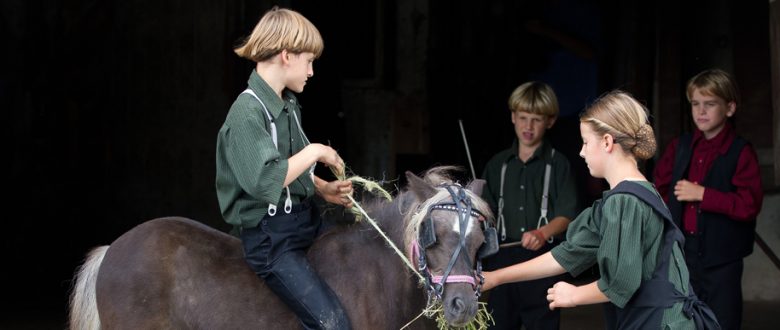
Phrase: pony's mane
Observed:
(437, 177)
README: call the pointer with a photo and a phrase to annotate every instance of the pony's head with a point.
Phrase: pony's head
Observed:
(449, 231)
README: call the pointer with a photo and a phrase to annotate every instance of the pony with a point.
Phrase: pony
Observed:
(176, 273)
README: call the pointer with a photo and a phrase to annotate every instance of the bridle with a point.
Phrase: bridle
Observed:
(462, 205)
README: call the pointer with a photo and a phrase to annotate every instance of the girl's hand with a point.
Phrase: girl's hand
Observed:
(561, 295)
(489, 281)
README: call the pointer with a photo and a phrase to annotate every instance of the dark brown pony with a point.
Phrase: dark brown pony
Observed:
(175, 273)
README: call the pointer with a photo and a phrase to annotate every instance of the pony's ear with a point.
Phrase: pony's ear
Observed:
(423, 190)
(476, 186)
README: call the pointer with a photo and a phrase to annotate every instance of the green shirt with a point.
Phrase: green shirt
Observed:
(626, 243)
(523, 187)
(250, 169)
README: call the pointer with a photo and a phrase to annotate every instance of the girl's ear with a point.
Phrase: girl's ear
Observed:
(608, 142)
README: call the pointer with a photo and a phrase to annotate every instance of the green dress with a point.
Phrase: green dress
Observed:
(625, 242)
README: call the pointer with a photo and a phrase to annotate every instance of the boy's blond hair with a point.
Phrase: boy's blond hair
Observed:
(281, 29)
(534, 97)
(623, 117)
(714, 82)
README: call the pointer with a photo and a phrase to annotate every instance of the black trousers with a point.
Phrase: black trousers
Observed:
(519, 304)
(276, 251)
(720, 286)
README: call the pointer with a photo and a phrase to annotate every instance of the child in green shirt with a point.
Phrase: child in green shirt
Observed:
(531, 190)
(265, 164)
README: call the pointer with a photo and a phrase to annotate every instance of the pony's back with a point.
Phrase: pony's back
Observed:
(175, 273)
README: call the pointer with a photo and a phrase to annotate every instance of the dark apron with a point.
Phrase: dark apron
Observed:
(646, 308)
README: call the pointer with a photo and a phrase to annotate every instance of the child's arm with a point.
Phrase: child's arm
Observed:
(566, 204)
(333, 192)
(556, 226)
(535, 239)
(563, 294)
(542, 266)
(304, 159)
(742, 204)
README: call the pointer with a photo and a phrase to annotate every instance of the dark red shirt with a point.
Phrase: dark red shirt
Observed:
(742, 204)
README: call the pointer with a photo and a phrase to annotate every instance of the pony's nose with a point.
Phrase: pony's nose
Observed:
(457, 305)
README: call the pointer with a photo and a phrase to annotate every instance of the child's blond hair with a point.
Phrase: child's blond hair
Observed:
(534, 97)
(281, 29)
(623, 117)
(714, 82)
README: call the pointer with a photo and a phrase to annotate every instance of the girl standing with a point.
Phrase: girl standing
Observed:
(643, 276)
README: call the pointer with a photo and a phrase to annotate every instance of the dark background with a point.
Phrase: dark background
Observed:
(113, 107)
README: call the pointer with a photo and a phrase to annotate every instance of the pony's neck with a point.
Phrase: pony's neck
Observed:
(393, 218)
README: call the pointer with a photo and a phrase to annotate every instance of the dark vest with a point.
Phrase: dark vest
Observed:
(722, 239)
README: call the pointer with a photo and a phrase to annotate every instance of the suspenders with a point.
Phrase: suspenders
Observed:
(545, 198)
(288, 201)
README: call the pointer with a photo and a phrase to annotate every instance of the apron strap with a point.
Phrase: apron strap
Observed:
(658, 292)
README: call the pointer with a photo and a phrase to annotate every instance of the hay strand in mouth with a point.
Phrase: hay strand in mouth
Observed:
(481, 321)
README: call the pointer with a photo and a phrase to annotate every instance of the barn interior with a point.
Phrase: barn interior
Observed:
(113, 107)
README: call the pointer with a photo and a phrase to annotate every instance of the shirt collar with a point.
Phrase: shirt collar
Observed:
(274, 104)
(722, 139)
(542, 152)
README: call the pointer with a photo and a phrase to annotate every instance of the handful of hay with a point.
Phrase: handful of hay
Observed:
(368, 185)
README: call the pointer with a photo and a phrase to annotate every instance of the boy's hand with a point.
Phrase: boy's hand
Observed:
(687, 191)
(533, 240)
(336, 192)
(330, 157)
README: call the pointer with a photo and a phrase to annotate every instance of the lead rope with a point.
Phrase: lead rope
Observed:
(389, 242)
